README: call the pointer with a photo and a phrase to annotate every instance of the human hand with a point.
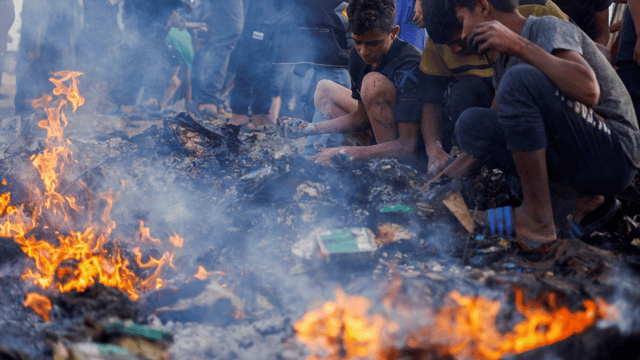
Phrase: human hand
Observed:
(494, 36)
(438, 161)
(325, 155)
(439, 180)
(293, 128)
(615, 27)
(418, 17)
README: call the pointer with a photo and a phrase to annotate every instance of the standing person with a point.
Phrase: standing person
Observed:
(7, 15)
(628, 58)
(254, 69)
(562, 115)
(592, 16)
(323, 29)
(225, 20)
(46, 45)
(409, 32)
(384, 95)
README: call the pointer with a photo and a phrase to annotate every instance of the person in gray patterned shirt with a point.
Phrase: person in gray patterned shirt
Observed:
(561, 114)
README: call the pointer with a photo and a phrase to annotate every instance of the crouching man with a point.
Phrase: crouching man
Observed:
(563, 115)
(385, 89)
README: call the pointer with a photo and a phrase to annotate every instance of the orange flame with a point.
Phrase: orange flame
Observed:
(342, 329)
(81, 258)
(466, 327)
(176, 240)
(202, 274)
(39, 303)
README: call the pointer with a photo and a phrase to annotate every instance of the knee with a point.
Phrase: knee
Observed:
(467, 93)
(519, 76)
(323, 92)
(464, 127)
(469, 128)
(323, 96)
(377, 87)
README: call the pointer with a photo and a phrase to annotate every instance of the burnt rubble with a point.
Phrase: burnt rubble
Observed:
(242, 200)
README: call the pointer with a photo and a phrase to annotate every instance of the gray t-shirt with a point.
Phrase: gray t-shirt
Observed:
(614, 105)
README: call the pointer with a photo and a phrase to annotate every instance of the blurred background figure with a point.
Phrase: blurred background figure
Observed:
(252, 93)
(592, 16)
(7, 15)
(409, 31)
(47, 40)
(224, 20)
(314, 38)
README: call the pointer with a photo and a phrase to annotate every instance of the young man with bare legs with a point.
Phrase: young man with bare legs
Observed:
(385, 89)
(561, 114)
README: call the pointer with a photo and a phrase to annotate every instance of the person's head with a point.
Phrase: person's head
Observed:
(439, 20)
(473, 12)
(443, 27)
(505, 6)
(372, 25)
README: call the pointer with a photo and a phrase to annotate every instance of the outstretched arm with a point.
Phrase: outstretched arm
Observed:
(401, 147)
(463, 165)
(431, 128)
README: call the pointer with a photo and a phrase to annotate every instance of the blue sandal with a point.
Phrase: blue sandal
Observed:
(595, 219)
(500, 222)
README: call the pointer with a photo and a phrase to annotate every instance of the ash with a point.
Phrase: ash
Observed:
(242, 200)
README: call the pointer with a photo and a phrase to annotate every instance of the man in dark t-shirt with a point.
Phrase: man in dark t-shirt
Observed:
(385, 89)
(592, 16)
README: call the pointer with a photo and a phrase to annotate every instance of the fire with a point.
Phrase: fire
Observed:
(341, 329)
(81, 256)
(39, 303)
(202, 274)
(466, 326)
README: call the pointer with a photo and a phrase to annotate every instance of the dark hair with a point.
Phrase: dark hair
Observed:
(369, 15)
(500, 5)
(440, 20)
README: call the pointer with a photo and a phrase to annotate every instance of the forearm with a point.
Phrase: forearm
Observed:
(350, 122)
(431, 128)
(391, 149)
(564, 74)
(463, 165)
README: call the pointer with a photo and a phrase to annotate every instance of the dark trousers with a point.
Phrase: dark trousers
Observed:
(210, 64)
(468, 92)
(252, 89)
(582, 151)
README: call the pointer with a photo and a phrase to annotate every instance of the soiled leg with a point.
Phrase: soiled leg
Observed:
(379, 98)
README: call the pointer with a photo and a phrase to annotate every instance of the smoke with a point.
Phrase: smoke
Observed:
(121, 44)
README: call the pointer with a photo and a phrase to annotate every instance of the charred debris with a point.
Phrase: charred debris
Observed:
(246, 202)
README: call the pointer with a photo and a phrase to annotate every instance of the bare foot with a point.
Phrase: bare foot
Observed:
(527, 226)
(238, 120)
(212, 108)
(586, 204)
